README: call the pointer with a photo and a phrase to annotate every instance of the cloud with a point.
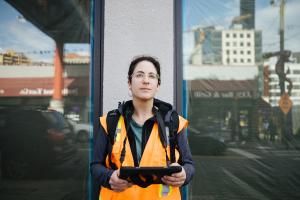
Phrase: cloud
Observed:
(26, 38)
(267, 20)
(29, 37)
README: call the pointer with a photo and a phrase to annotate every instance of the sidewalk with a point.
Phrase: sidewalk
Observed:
(257, 144)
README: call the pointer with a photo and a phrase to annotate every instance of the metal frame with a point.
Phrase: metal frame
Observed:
(178, 86)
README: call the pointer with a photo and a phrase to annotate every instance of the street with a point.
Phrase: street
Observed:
(260, 173)
(65, 182)
(263, 173)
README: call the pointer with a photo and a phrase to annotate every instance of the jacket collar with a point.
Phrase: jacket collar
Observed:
(126, 108)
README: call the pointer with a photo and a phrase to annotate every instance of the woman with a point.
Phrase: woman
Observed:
(137, 140)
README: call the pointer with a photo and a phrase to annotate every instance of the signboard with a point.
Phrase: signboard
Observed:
(21, 87)
(223, 94)
(285, 103)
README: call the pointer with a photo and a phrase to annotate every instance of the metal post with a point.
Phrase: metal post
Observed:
(281, 33)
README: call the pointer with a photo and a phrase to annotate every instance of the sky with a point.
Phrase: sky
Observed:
(221, 12)
(20, 35)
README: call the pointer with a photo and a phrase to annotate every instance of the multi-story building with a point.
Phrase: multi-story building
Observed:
(293, 73)
(221, 46)
(241, 47)
(14, 58)
(247, 11)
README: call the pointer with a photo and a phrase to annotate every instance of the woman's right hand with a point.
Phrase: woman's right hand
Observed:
(117, 184)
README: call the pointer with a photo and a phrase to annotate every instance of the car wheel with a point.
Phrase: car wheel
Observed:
(82, 136)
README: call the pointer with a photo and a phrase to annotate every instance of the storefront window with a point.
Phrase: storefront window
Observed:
(44, 99)
(244, 129)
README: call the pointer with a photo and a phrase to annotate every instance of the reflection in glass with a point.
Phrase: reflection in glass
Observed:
(242, 98)
(44, 99)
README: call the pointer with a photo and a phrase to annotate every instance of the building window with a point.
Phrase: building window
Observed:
(242, 60)
(227, 35)
(242, 44)
(248, 35)
(296, 71)
(234, 35)
(228, 60)
(227, 44)
(241, 35)
(227, 52)
(248, 44)
(248, 52)
(234, 52)
(249, 60)
(234, 60)
(234, 44)
(242, 52)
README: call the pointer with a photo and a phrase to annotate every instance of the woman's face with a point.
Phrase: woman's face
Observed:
(144, 81)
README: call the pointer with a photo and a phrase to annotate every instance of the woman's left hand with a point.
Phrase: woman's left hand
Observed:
(176, 179)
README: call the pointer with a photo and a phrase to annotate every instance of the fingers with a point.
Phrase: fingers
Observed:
(176, 179)
(168, 180)
(117, 184)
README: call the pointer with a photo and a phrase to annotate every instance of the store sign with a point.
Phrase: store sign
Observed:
(16, 87)
(46, 92)
(223, 94)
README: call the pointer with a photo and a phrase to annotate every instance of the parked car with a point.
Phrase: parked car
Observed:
(82, 131)
(205, 143)
(33, 140)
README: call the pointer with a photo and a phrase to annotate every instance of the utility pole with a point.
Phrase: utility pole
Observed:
(281, 34)
(285, 103)
(286, 117)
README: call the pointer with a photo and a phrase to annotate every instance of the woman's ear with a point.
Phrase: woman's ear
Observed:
(158, 86)
(129, 85)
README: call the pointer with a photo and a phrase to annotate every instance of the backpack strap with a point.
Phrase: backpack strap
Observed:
(163, 135)
(112, 119)
(172, 123)
(168, 132)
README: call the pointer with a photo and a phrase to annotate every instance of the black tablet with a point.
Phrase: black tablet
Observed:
(149, 175)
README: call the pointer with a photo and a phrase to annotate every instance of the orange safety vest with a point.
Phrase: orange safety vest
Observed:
(153, 155)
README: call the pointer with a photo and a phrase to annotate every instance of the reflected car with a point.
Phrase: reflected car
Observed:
(205, 144)
(81, 130)
(33, 140)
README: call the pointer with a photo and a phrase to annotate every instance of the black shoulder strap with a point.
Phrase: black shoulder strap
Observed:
(112, 119)
(168, 131)
(172, 122)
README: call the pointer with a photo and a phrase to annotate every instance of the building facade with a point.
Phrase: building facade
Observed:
(241, 47)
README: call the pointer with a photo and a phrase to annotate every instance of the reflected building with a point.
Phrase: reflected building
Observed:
(14, 58)
(228, 47)
(32, 85)
(292, 69)
(247, 10)
(241, 46)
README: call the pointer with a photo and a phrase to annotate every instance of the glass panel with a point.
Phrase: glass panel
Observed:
(44, 99)
(241, 80)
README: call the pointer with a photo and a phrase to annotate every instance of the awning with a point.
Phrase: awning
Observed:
(223, 88)
(17, 87)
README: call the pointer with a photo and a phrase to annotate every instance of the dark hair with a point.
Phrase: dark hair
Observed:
(139, 59)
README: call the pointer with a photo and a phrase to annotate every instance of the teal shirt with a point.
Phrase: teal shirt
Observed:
(137, 131)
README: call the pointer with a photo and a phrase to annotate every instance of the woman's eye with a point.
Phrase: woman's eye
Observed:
(152, 76)
(139, 75)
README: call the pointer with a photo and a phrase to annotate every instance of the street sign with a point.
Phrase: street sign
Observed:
(285, 103)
